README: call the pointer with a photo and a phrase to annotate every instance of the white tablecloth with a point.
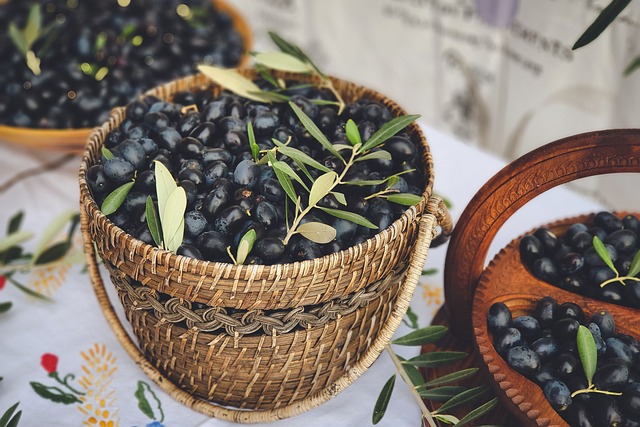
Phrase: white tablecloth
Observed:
(73, 329)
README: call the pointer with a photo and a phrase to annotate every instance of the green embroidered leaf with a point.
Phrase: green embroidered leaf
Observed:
(387, 130)
(633, 65)
(412, 372)
(255, 150)
(143, 402)
(437, 358)
(53, 253)
(300, 156)
(165, 184)
(411, 319)
(321, 187)
(428, 335)
(454, 376)
(233, 81)
(463, 398)
(383, 400)
(340, 197)
(14, 239)
(634, 268)
(17, 37)
(380, 154)
(53, 229)
(32, 29)
(350, 216)
(317, 232)
(107, 153)
(4, 307)
(153, 222)
(603, 20)
(282, 61)
(429, 272)
(588, 352)
(8, 419)
(603, 254)
(245, 245)
(478, 412)
(285, 168)
(172, 219)
(54, 394)
(441, 394)
(26, 290)
(115, 199)
(15, 222)
(447, 419)
(406, 199)
(353, 134)
(314, 130)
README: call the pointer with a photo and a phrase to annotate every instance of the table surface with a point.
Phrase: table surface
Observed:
(78, 344)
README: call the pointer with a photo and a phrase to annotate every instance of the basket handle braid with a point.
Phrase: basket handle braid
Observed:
(436, 215)
(437, 206)
(574, 157)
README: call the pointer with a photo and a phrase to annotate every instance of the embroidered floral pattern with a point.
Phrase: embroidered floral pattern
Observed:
(99, 403)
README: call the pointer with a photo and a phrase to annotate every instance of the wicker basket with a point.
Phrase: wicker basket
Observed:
(276, 340)
(470, 289)
(74, 140)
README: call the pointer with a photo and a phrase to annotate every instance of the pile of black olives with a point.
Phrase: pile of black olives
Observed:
(572, 263)
(228, 193)
(95, 55)
(543, 347)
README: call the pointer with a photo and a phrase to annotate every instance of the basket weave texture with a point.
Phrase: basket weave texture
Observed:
(278, 339)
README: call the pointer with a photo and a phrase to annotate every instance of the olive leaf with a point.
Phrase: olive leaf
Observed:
(285, 182)
(634, 268)
(603, 254)
(293, 50)
(153, 222)
(172, 219)
(436, 358)
(14, 239)
(255, 150)
(349, 216)
(380, 154)
(633, 65)
(265, 74)
(310, 126)
(412, 372)
(447, 419)
(383, 400)
(603, 20)
(34, 23)
(341, 147)
(10, 420)
(428, 335)
(25, 39)
(245, 245)
(353, 134)
(107, 153)
(454, 376)
(441, 394)
(54, 228)
(300, 156)
(387, 130)
(232, 80)
(411, 319)
(282, 61)
(285, 168)
(115, 199)
(478, 412)
(15, 222)
(4, 307)
(463, 398)
(321, 187)
(588, 352)
(17, 37)
(406, 199)
(317, 232)
(340, 197)
(165, 184)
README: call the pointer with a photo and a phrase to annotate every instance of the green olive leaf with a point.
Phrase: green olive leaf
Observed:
(633, 66)
(107, 153)
(115, 199)
(153, 222)
(412, 372)
(172, 219)
(411, 319)
(383, 400)
(387, 130)
(380, 154)
(447, 419)
(634, 268)
(245, 245)
(282, 61)
(603, 254)
(478, 412)
(165, 184)
(233, 81)
(34, 23)
(14, 239)
(285, 168)
(310, 126)
(317, 232)
(17, 37)
(392, 180)
(428, 335)
(341, 147)
(285, 183)
(406, 199)
(265, 74)
(255, 150)
(588, 352)
(293, 50)
(606, 17)
(349, 216)
(436, 358)
(452, 377)
(353, 134)
(441, 394)
(366, 182)
(321, 187)
(54, 228)
(463, 398)
(340, 197)
(300, 156)
(4, 307)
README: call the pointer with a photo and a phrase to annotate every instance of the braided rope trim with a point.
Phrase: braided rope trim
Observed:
(237, 323)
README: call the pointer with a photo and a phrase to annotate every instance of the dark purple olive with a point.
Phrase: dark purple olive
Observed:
(549, 240)
(624, 241)
(269, 248)
(506, 338)
(558, 395)
(118, 170)
(565, 329)
(212, 245)
(189, 251)
(528, 326)
(546, 347)
(570, 310)
(523, 360)
(607, 221)
(530, 249)
(545, 269)
(204, 132)
(229, 220)
(545, 311)
(566, 365)
(606, 324)
(611, 377)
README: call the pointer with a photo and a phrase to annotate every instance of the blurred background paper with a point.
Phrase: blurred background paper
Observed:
(498, 74)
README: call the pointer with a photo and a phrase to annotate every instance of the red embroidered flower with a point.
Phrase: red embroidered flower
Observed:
(49, 362)
(3, 280)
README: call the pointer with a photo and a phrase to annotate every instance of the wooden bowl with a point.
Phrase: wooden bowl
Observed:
(74, 140)
(470, 290)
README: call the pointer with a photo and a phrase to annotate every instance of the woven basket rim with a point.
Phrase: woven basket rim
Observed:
(410, 215)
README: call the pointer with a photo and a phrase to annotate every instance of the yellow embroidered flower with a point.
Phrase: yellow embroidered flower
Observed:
(99, 402)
